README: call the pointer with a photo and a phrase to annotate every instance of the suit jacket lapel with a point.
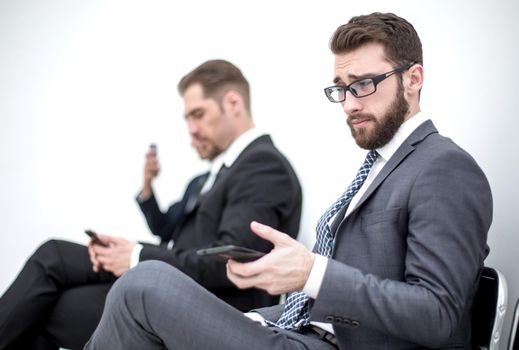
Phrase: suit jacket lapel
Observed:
(338, 219)
(408, 146)
(193, 194)
(224, 169)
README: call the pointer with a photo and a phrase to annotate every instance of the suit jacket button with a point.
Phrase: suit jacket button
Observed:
(346, 321)
(330, 318)
(355, 324)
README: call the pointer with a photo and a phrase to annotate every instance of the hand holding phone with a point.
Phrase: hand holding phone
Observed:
(240, 254)
(95, 238)
(152, 166)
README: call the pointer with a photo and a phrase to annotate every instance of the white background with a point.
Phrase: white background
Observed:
(85, 86)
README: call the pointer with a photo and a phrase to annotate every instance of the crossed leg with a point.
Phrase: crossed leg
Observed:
(155, 306)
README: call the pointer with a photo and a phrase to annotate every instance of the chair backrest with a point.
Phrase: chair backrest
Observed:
(488, 311)
(513, 343)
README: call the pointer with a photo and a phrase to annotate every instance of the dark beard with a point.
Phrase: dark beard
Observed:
(384, 129)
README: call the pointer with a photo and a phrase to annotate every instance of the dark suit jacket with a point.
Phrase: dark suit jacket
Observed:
(260, 185)
(406, 261)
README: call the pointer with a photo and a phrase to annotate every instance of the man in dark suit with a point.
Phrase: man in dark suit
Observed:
(58, 297)
(397, 258)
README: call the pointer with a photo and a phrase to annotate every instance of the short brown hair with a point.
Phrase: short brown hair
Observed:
(217, 77)
(401, 42)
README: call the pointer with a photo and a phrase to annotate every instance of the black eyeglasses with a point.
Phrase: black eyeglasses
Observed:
(362, 87)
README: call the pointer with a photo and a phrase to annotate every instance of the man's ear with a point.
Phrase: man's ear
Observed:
(413, 80)
(232, 103)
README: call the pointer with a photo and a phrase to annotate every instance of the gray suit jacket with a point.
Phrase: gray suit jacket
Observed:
(406, 261)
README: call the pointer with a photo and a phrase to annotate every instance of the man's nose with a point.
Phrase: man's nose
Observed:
(351, 104)
(192, 127)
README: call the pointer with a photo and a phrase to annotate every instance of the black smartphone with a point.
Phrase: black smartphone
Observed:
(95, 238)
(237, 253)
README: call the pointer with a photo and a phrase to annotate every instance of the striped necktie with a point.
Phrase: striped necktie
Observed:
(296, 312)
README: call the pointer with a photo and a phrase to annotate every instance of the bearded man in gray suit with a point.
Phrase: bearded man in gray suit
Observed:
(397, 258)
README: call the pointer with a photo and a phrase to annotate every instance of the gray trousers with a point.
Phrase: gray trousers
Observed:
(155, 306)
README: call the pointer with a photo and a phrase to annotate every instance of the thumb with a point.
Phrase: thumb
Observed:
(268, 233)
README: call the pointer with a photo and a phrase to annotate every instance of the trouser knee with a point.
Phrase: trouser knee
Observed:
(144, 275)
(47, 247)
(47, 253)
(61, 259)
(142, 280)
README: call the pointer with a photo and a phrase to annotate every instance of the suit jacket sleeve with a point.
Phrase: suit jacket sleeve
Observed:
(442, 224)
(259, 186)
(164, 224)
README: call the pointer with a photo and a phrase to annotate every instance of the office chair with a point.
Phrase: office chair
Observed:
(488, 311)
(513, 343)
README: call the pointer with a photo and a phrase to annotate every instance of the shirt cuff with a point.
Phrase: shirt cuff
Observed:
(136, 253)
(315, 279)
(256, 317)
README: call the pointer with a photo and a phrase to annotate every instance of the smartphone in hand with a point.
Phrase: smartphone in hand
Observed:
(237, 253)
(93, 236)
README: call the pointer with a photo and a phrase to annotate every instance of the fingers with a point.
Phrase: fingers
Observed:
(244, 269)
(93, 258)
(110, 240)
(115, 264)
(264, 264)
(251, 274)
(270, 234)
(152, 165)
(105, 259)
(96, 252)
(240, 280)
(105, 238)
(262, 280)
(284, 269)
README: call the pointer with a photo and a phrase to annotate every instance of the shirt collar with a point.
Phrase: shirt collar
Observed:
(410, 125)
(229, 156)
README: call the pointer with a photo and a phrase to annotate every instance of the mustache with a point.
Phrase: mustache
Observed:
(360, 117)
(198, 138)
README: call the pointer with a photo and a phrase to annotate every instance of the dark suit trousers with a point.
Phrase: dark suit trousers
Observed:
(56, 300)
